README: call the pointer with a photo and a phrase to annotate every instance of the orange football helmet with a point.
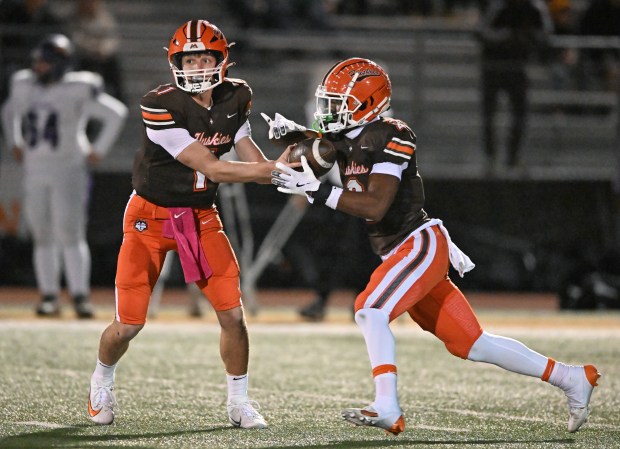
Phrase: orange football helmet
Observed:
(352, 93)
(198, 36)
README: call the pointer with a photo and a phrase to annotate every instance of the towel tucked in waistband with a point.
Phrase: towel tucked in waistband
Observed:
(182, 227)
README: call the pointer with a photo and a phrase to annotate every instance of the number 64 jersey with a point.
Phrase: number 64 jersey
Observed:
(49, 121)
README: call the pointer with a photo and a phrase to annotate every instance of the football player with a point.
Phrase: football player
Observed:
(381, 183)
(45, 119)
(188, 125)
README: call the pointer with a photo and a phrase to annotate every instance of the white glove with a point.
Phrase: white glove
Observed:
(279, 126)
(295, 182)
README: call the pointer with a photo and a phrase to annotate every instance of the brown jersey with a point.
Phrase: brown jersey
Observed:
(381, 141)
(159, 177)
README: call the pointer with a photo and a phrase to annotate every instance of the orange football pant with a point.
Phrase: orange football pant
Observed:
(415, 280)
(144, 248)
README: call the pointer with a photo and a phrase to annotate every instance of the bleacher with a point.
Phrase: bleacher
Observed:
(434, 66)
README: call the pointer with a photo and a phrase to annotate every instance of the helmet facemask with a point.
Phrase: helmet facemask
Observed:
(198, 36)
(198, 80)
(334, 112)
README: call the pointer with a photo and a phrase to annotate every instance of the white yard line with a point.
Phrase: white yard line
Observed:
(46, 425)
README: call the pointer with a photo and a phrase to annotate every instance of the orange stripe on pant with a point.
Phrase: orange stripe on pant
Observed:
(408, 275)
(144, 248)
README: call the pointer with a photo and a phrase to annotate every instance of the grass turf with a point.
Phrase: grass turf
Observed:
(171, 388)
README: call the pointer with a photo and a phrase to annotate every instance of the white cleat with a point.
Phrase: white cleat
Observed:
(393, 422)
(101, 403)
(244, 413)
(582, 380)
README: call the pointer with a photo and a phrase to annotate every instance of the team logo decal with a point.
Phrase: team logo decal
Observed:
(140, 225)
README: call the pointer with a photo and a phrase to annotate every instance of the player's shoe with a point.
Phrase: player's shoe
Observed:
(393, 422)
(101, 402)
(48, 306)
(244, 413)
(83, 307)
(315, 311)
(581, 380)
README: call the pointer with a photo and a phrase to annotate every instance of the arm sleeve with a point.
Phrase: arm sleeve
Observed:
(389, 168)
(244, 131)
(12, 112)
(7, 123)
(173, 140)
(111, 113)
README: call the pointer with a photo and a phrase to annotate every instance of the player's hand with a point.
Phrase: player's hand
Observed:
(18, 153)
(93, 158)
(280, 125)
(295, 182)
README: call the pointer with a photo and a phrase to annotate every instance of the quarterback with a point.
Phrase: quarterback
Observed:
(188, 125)
(381, 183)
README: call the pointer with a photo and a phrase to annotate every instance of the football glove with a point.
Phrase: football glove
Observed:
(295, 182)
(280, 125)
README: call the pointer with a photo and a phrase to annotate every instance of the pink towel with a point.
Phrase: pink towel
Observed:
(182, 228)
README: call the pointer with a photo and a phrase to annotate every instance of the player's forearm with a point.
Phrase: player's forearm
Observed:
(372, 204)
(112, 113)
(199, 158)
(235, 171)
(363, 205)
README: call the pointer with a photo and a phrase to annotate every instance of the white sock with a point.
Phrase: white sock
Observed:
(381, 346)
(375, 327)
(104, 373)
(237, 385)
(47, 269)
(512, 355)
(386, 396)
(77, 268)
(559, 375)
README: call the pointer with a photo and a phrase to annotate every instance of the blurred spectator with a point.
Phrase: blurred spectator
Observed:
(352, 7)
(601, 66)
(97, 40)
(22, 22)
(563, 60)
(282, 14)
(510, 31)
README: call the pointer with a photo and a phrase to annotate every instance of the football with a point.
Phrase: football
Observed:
(321, 155)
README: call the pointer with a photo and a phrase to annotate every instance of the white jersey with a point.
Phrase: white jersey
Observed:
(49, 121)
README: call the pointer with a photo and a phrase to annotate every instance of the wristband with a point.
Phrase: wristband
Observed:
(327, 195)
(334, 196)
(321, 194)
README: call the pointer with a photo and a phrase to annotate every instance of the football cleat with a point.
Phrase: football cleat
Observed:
(244, 413)
(48, 306)
(582, 381)
(83, 307)
(393, 422)
(315, 311)
(101, 402)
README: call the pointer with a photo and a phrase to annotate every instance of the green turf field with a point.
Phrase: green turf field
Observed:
(171, 388)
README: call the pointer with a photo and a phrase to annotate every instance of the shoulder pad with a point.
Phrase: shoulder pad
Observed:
(90, 78)
(163, 89)
(22, 75)
(236, 81)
